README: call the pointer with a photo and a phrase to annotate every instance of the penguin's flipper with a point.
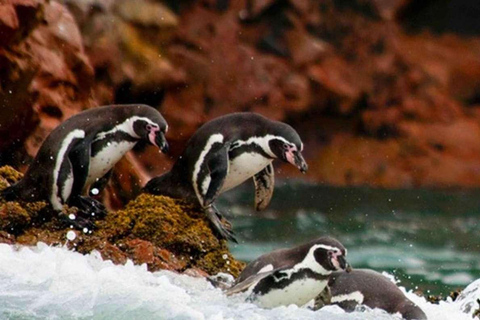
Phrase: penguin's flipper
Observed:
(80, 158)
(323, 299)
(250, 281)
(220, 224)
(264, 184)
(101, 183)
(218, 168)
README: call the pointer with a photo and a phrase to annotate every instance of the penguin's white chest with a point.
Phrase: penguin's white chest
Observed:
(244, 167)
(105, 159)
(298, 292)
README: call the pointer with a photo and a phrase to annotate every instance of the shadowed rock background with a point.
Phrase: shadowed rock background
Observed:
(384, 93)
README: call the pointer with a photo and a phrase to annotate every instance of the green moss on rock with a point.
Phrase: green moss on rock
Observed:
(162, 232)
(8, 176)
(176, 226)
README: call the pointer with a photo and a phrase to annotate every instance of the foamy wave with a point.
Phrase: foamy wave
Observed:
(45, 282)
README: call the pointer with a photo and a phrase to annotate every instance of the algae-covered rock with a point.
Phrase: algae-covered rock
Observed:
(15, 216)
(161, 232)
(8, 176)
(176, 226)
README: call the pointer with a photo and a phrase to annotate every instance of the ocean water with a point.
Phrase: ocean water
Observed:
(428, 240)
(45, 282)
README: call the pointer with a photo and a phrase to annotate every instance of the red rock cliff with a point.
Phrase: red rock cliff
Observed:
(379, 98)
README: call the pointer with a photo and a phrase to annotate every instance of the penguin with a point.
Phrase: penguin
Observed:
(291, 276)
(81, 152)
(224, 153)
(370, 288)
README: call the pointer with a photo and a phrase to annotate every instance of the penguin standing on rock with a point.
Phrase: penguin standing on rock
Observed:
(224, 153)
(292, 276)
(81, 152)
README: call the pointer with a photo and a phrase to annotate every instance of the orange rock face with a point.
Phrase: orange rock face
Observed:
(45, 75)
(376, 101)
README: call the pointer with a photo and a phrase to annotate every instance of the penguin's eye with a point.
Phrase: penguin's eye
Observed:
(286, 146)
(151, 127)
(332, 253)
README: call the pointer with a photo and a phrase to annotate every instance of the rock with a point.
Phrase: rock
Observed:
(146, 13)
(126, 44)
(160, 232)
(348, 74)
(113, 253)
(7, 238)
(141, 250)
(45, 74)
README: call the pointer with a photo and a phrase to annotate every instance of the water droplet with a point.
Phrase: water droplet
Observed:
(71, 235)
(71, 216)
(94, 191)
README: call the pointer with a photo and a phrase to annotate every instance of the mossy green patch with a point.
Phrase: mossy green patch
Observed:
(8, 176)
(176, 226)
(179, 232)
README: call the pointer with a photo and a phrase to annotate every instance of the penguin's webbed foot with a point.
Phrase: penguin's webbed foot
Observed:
(89, 208)
(221, 225)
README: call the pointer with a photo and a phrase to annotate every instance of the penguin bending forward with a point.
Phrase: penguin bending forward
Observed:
(224, 153)
(291, 276)
(81, 152)
(370, 288)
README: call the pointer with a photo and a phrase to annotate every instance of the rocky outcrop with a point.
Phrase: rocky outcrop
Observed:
(157, 231)
(45, 76)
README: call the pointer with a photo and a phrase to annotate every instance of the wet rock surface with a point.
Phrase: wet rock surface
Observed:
(157, 231)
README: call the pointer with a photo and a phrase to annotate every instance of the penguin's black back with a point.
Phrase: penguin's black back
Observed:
(378, 292)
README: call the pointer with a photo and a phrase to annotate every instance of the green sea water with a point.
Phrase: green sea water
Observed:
(428, 239)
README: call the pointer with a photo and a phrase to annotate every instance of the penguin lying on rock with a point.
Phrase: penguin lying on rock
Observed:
(370, 288)
(224, 153)
(81, 152)
(291, 276)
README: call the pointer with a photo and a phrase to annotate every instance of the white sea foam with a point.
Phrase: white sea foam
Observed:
(43, 282)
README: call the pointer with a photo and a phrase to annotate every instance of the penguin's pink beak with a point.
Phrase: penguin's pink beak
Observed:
(295, 157)
(157, 138)
(339, 262)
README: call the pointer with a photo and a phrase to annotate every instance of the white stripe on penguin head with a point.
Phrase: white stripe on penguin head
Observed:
(263, 142)
(126, 126)
(309, 262)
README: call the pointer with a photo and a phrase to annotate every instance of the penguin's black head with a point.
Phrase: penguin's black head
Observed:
(331, 255)
(286, 144)
(151, 127)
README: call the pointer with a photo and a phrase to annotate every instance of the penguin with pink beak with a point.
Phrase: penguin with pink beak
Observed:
(224, 153)
(80, 153)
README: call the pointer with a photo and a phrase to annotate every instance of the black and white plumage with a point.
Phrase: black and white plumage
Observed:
(291, 276)
(372, 289)
(81, 152)
(224, 153)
